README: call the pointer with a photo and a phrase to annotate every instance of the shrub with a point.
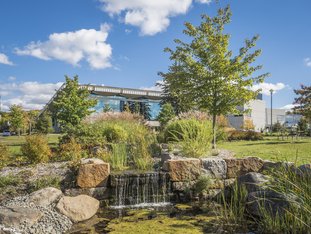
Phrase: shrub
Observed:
(71, 150)
(113, 116)
(140, 147)
(117, 156)
(43, 182)
(36, 149)
(234, 208)
(295, 186)
(9, 180)
(202, 184)
(166, 114)
(192, 136)
(4, 155)
(237, 135)
(115, 133)
(87, 135)
(194, 114)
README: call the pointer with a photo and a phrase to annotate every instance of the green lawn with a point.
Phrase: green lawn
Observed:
(270, 148)
(14, 143)
(273, 149)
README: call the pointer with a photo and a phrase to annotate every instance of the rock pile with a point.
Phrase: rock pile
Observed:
(45, 211)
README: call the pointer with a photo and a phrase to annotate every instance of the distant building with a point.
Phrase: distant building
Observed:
(118, 98)
(256, 114)
(281, 116)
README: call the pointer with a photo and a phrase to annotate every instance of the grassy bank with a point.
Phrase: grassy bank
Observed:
(270, 148)
(14, 143)
(273, 149)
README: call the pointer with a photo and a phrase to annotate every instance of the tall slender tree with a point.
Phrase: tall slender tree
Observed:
(303, 101)
(16, 118)
(205, 74)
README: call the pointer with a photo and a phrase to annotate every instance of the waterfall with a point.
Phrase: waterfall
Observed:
(138, 190)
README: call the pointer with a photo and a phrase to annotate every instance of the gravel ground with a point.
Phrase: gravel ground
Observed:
(52, 222)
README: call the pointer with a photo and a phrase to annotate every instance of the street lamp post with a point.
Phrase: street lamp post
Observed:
(271, 92)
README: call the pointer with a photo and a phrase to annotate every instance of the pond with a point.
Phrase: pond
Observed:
(189, 218)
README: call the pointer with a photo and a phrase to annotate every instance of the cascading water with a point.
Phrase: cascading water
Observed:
(138, 190)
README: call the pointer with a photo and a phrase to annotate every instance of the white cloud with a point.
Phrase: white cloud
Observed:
(289, 106)
(5, 60)
(266, 87)
(204, 1)
(307, 62)
(151, 16)
(31, 95)
(72, 47)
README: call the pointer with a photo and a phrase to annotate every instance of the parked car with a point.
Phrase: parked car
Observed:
(6, 133)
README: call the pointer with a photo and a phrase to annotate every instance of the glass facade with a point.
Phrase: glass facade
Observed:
(118, 103)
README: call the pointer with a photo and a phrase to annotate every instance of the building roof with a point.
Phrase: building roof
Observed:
(113, 91)
(127, 92)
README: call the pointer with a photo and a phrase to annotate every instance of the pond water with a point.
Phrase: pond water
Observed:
(173, 218)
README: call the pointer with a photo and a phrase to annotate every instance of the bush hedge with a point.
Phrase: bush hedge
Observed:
(36, 149)
(237, 135)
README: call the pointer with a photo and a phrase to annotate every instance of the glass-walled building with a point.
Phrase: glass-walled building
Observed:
(145, 102)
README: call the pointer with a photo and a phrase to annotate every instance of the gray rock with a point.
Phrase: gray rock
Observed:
(78, 208)
(269, 200)
(99, 193)
(225, 153)
(269, 166)
(14, 216)
(91, 161)
(51, 221)
(166, 156)
(46, 196)
(214, 167)
(304, 170)
(182, 186)
(253, 181)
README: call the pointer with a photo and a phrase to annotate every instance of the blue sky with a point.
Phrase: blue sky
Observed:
(121, 42)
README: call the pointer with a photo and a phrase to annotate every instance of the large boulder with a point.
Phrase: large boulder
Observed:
(269, 166)
(93, 172)
(304, 171)
(241, 166)
(99, 193)
(215, 167)
(269, 200)
(78, 208)
(14, 216)
(45, 197)
(187, 169)
(253, 181)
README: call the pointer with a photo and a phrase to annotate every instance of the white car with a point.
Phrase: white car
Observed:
(6, 133)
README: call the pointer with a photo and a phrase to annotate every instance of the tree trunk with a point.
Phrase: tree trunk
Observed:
(214, 132)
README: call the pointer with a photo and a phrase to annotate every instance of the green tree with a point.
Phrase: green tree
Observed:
(277, 127)
(30, 119)
(107, 108)
(303, 102)
(166, 114)
(44, 123)
(303, 125)
(205, 73)
(144, 110)
(16, 118)
(4, 121)
(72, 104)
